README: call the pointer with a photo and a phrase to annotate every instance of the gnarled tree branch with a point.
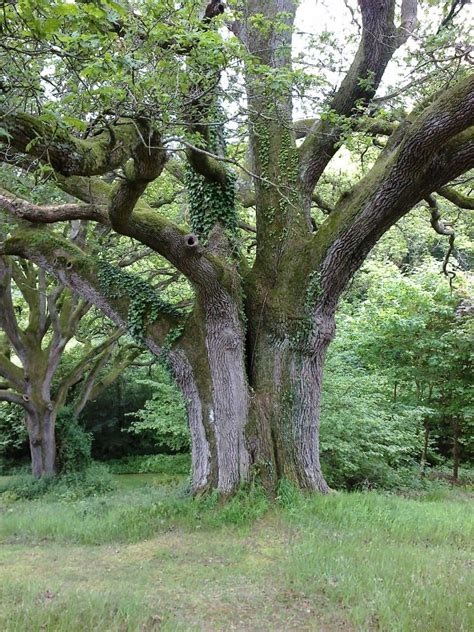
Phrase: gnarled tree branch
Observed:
(457, 198)
(380, 39)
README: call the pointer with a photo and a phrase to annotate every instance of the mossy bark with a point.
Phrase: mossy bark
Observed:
(40, 423)
(286, 401)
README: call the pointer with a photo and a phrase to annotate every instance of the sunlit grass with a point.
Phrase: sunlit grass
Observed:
(148, 556)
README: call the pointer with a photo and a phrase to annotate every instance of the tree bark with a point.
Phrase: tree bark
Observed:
(286, 406)
(41, 433)
(225, 352)
(202, 475)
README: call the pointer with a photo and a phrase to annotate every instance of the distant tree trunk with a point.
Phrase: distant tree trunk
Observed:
(424, 450)
(456, 448)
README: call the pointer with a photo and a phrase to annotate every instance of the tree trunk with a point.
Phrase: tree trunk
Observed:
(197, 413)
(284, 431)
(229, 413)
(254, 410)
(41, 433)
(424, 450)
(456, 449)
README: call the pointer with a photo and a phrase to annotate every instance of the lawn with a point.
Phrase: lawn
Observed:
(146, 557)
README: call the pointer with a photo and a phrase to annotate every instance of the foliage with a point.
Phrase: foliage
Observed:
(400, 362)
(94, 480)
(176, 464)
(73, 443)
(164, 415)
(365, 440)
(417, 332)
(13, 434)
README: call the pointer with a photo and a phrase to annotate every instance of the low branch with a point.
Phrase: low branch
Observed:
(145, 225)
(10, 396)
(68, 155)
(80, 272)
(24, 210)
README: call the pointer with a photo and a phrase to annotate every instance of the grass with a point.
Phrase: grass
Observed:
(147, 557)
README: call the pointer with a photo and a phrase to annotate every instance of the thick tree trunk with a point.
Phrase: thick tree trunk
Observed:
(284, 433)
(41, 433)
(210, 370)
(229, 414)
(253, 410)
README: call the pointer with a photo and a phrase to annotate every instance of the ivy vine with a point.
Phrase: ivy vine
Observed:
(145, 305)
(212, 202)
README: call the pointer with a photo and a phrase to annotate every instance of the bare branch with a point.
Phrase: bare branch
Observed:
(379, 41)
(12, 397)
(439, 227)
(24, 210)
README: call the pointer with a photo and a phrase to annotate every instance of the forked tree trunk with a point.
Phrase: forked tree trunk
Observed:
(41, 433)
(284, 431)
(263, 423)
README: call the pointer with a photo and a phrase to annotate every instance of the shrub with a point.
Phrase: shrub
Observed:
(73, 443)
(164, 415)
(172, 464)
(91, 481)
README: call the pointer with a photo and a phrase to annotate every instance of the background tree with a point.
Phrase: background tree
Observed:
(249, 356)
(418, 332)
(39, 318)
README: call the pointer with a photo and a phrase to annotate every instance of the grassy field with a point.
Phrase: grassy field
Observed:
(146, 557)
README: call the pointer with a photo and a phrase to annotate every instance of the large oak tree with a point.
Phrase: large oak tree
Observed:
(249, 356)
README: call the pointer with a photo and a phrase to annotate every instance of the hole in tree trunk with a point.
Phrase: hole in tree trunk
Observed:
(191, 241)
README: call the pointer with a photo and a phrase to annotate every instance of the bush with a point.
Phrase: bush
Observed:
(13, 436)
(73, 443)
(91, 481)
(365, 439)
(172, 464)
(164, 415)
